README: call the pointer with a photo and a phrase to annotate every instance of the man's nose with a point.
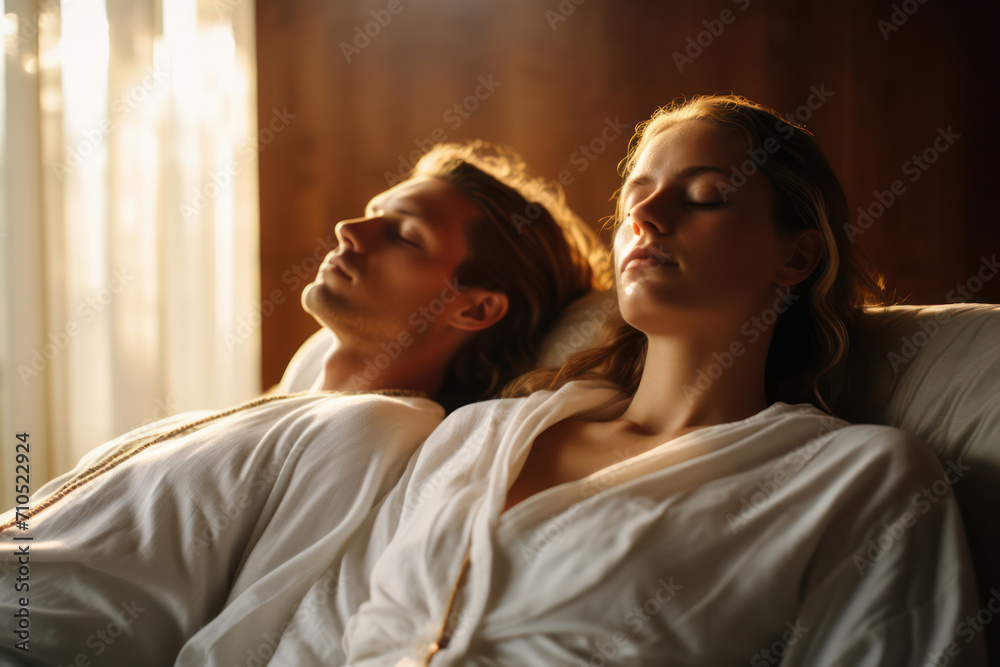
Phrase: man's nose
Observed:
(356, 234)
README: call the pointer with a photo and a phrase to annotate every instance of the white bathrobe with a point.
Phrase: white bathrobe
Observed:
(130, 565)
(788, 536)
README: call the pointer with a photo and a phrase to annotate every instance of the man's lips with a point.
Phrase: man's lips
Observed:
(338, 267)
(648, 256)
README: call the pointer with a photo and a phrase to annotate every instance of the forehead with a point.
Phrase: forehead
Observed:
(687, 143)
(443, 206)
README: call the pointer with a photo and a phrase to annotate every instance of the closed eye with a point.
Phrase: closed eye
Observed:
(393, 234)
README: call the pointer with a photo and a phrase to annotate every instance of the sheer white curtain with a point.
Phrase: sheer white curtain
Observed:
(129, 230)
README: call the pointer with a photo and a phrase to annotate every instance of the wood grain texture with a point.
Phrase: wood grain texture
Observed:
(562, 82)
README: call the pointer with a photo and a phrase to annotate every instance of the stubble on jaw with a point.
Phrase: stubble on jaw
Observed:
(336, 314)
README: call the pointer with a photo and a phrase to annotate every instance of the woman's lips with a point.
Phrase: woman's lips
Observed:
(645, 262)
(647, 257)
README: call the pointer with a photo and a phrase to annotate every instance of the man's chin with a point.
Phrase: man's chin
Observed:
(333, 312)
(315, 298)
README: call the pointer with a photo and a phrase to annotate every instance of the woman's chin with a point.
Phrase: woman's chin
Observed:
(657, 316)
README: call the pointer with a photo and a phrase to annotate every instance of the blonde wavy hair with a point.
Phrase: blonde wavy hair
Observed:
(811, 338)
(529, 245)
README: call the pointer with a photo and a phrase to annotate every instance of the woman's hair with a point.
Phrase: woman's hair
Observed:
(527, 244)
(810, 342)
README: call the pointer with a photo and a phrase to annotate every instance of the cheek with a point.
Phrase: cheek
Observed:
(622, 240)
(416, 280)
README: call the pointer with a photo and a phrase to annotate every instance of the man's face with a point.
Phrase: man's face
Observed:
(393, 270)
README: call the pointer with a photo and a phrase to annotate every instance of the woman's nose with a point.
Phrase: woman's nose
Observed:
(652, 215)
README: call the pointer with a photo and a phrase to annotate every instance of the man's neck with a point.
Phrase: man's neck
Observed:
(347, 368)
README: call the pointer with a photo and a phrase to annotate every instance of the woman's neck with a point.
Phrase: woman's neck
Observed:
(691, 383)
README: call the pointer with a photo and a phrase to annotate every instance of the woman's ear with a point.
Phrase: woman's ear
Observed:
(803, 252)
(481, 309)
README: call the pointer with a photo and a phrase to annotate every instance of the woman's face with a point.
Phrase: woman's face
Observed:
(690, 252)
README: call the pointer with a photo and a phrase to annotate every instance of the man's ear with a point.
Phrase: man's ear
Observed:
(803, 252)
(481, 309)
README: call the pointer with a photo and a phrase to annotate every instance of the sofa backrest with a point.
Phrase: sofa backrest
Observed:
(934, 371)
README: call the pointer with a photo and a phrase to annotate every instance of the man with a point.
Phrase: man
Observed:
(457, 271)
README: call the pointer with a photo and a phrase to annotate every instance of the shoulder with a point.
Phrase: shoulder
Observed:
(878, 445)
(472, 427)
(886, 449)
(340, 408)
(584, 395)
(869, 473)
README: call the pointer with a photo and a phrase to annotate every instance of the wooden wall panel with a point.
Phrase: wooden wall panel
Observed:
(560, 82)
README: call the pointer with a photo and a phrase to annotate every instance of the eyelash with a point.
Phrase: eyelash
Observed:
(399, 237)
(687, 202)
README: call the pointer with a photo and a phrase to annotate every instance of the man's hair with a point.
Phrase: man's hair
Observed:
(527, 244)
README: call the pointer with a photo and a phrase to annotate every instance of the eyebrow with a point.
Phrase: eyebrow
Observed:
(419, 213)
(402, 205)
(687, 172)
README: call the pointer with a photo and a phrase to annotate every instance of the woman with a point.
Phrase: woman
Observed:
(697, 508)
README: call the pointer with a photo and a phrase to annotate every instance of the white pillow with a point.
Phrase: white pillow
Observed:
(578, 328)
(934, 372)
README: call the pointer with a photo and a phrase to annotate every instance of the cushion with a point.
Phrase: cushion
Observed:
(934, 371)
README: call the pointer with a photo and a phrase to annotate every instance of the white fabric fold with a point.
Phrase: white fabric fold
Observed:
(788, 535)
(170, 532)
